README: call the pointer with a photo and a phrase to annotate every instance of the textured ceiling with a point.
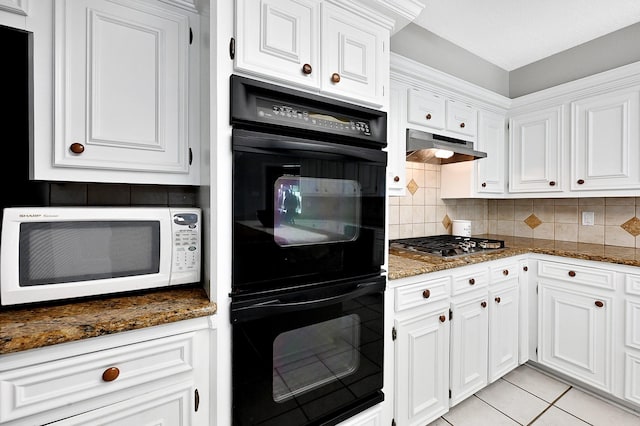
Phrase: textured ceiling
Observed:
(514, 33)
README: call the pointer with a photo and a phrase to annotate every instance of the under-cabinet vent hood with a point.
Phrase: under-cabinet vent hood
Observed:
(423, 147)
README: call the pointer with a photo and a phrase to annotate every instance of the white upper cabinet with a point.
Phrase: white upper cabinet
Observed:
(462, 118)
(426, 108)
(280, 38)
(491, 170)
(605, 141)
(125, 94)
(535, 146)
(396, 141)
(319, 46)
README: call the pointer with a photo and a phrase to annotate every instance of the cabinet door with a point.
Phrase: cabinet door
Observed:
(421, 368)
(491, 132)
(169, 406)
(535, 149)
(355, 64)
(503, 329)
(122, 87)
(396, 142)
(469, 347)
(462, 118)
(576, 333)
(279, 38)
(425, 108)
(604, 141)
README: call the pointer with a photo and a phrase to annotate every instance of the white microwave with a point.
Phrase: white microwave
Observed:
(52, 253)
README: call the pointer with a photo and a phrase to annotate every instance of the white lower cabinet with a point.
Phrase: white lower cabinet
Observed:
(632, 339)
(504, 307)
(469, 345)
(421, 331)
(158, 375)
(443, 335)
(575, 322)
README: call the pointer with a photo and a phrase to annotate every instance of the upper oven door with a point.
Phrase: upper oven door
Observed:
(304, 211)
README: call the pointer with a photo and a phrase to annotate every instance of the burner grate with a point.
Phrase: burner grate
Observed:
(447, 245)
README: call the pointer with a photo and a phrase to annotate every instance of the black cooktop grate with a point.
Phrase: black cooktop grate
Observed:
(447, 245)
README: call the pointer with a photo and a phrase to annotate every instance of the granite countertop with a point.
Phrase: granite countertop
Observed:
(403, 263)
(28, 327)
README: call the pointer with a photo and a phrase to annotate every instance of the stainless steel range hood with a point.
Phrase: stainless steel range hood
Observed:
(423, 147)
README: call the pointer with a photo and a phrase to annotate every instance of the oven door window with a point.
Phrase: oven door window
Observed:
(309, 357)
(315, 210)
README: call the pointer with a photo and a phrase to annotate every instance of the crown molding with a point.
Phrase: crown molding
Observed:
(417, 74)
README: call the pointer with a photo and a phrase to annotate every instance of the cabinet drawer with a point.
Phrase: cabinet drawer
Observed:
(68, 380)
(425, 108)
(469, 281)
(582, 275)
(462, 118)
(632, 283)
(421, 293)
(504, 272)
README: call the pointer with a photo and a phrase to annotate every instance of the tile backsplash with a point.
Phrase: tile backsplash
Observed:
(422, 212)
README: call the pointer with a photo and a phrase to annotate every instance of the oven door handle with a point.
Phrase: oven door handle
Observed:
(249, 141)
(277, 306)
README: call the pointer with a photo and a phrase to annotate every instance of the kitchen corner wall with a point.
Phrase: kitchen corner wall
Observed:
(422, 212)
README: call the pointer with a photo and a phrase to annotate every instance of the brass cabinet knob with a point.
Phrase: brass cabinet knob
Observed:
(110, 374)
(396, 178)
(335, 77)
(580, 181)
(484, 184)
(552, 183)
(505, 272)
(497, 299)
(462, 125)
(426, 294)
(483, 304)
(572, 273)
(306, 69)
(443, 318)
(472, 281)
(525, 268)
(599, 304)
(428, 116)
(76, 148)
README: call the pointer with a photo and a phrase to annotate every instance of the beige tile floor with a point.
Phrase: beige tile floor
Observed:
(527, 396)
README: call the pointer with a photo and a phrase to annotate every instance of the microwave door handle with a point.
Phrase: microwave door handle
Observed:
(276, 306)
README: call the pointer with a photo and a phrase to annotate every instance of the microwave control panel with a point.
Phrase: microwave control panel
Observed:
(186, 243)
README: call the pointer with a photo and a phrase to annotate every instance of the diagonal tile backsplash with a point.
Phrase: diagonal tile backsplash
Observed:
(422, 212)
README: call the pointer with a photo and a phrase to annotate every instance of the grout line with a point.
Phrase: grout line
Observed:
(497, 409)
(550, 405)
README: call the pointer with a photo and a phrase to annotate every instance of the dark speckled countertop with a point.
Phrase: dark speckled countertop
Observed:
(27, 327)
(403, 263)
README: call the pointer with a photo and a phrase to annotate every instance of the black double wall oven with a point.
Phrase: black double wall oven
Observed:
(307, 301)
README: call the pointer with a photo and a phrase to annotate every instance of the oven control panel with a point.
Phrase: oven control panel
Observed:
(282, 113)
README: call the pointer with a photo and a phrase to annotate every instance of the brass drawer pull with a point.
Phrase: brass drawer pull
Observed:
(443, 318)
(428, 116)
(306, 69)
(76, 148)
(335, 77)
(505, 272)
(472, 281)
(599, 304)
(483, 304)
(426, 294)
(572, 273)
(497, 299)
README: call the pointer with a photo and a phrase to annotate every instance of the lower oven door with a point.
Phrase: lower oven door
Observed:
(309, 357)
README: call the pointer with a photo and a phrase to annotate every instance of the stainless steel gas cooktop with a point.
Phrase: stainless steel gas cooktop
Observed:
(447, 245)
